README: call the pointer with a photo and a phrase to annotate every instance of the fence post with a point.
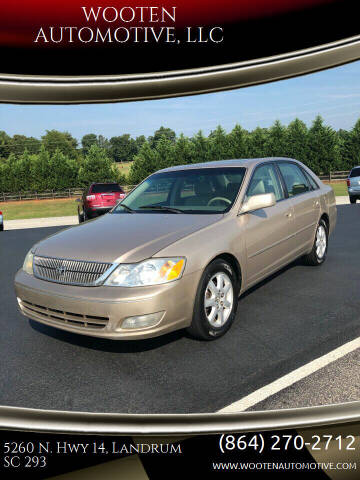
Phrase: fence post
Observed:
(330, 176)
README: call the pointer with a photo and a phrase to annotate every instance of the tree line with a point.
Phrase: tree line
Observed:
(57, 162)
(319, 146)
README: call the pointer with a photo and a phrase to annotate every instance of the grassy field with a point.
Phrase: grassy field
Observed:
(68, 206)
(38, 208)
(339, 188)
(124, 167)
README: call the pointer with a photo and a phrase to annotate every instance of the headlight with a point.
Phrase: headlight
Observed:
(28, 263)
(150, 272)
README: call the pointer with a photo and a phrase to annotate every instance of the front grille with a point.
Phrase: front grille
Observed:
(64, 318)
(71, 272)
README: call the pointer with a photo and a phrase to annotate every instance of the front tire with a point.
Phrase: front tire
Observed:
(352, 199)
(317, 256)
(216, 301)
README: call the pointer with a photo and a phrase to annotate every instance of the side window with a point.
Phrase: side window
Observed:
(294, 179)
(310, 179)
(265, 180)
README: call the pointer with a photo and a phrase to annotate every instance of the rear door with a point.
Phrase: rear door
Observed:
(267, 234)
(305, 200)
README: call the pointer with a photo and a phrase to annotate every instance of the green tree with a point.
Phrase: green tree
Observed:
(201, 150)
(40, 171)
(140, 140)
(88, 140)
(183, 152)
(323, 147)
(297, 141)
(238, 142)
(63, 141)
(257, 143)
(219, 144)
(276, 141)
(21, 171)
(168, 133)
(122, 148)
(145, 163)
(349, 146)
(20, 143)
(6, 176)
(64, 172)
(96, 167)
(5, 141)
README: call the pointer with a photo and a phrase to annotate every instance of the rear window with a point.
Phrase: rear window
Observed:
(355, 172)
(106, 188)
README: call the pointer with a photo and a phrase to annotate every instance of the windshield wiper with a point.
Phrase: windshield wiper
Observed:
(162, 207)
(128, 209)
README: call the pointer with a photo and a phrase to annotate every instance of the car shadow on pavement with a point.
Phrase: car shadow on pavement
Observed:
(106, 345)
(296, 263)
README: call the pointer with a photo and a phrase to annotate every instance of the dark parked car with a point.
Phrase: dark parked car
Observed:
(1, 222)
(353, 184)
(99, 198)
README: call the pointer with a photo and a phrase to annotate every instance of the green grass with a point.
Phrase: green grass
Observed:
(124, 167)
(38, 208)
(339, 188)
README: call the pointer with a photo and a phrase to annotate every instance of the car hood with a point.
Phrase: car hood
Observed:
(123, 238)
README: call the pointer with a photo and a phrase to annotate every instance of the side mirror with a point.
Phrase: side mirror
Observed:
(257, 202)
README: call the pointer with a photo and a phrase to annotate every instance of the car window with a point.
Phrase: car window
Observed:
(294, 179)
(310, 179)
(355, 172)
(194, 190)
(106, 188)
(266, 180)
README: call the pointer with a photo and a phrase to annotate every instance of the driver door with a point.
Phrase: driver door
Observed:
(267, 231)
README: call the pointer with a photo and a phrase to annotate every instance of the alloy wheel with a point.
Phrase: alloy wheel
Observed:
(219, 299)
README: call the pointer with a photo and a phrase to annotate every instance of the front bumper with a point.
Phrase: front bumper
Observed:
(100, 311)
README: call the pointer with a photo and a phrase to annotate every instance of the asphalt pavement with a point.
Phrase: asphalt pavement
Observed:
(290, 319)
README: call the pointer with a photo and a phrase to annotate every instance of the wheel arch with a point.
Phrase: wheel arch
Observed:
(326, 219)
(230, 258)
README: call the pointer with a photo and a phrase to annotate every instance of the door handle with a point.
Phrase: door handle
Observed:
(316, 203)
(288, 214)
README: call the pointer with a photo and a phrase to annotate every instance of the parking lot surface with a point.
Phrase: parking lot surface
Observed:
(290, 319)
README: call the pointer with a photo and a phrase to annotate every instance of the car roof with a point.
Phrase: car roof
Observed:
(245, 162)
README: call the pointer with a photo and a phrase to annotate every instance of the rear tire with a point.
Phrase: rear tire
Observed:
(80, 216)
(318, 253)
(352, 199)
(216, 301)
(1, 227)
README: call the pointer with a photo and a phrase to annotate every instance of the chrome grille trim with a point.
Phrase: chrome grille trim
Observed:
(53, 315)
(71, 272)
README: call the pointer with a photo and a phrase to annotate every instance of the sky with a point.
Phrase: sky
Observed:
(333, 93)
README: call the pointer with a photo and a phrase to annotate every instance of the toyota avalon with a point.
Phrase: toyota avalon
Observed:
(179, 250)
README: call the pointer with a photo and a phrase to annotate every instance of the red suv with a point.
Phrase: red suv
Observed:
(99, 198)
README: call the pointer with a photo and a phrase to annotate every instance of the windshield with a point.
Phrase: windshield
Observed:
(200, 190)
(106, 188)
(355, 172)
